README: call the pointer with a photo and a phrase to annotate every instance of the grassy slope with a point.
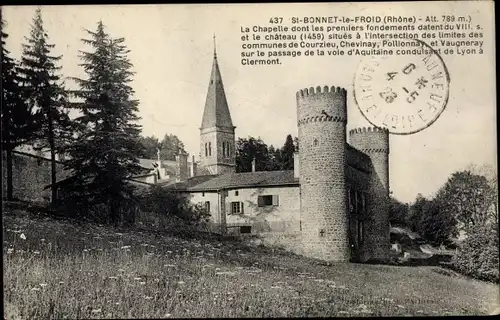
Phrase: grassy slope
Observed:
(64, 270)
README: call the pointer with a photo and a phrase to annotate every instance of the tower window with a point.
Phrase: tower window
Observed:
(206, 150)
(361, 236)
(209, 149)
(315, 142)
(223, 148)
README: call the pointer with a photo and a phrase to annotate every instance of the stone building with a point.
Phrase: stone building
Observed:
(334, 204)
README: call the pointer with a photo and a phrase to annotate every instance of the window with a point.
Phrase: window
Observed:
(236, 207)
(363, 203)
(268, 200)
(206, 150)
(352, 197)
(359, 203)
(361, 236)
(207, 206)
(209, 148)
(223, 148)
(315, 142)
(245, 229)
(203, 194)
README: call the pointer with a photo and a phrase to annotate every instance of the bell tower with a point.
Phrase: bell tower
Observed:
(217, 139)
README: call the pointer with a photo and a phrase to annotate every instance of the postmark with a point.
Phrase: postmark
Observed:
(404, 93)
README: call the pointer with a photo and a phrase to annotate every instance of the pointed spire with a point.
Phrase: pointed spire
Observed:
(215, 49)
(216, 113)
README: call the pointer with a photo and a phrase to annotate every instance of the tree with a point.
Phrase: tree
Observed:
(43, 90)
(491, 175)
(467, 197)
(151, 145)
(248, 150)
(431, 221)
(287, 153)
(398, 212)
(170, 147)
(274, 159)
(18, 125)
(437, 225)
(107, 146)
(416, 212)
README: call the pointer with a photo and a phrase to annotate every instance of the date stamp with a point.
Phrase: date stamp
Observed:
(404, 94)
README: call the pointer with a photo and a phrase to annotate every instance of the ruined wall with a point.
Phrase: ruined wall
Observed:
(322, 117)
(31, 174)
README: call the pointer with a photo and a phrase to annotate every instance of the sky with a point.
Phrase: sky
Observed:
(172, 51)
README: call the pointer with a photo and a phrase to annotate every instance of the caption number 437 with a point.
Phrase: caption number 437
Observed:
(389, 96)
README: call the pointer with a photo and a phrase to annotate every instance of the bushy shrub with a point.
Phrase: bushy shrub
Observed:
(170, 203)
(478, 254)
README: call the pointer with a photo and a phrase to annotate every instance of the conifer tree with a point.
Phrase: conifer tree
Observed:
(105, 153)
(44, 90)
(17, 118)
(287, 153)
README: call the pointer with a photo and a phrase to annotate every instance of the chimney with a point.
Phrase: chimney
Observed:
(182, 173)
(296, 172)
(194, 168)
(253, 164)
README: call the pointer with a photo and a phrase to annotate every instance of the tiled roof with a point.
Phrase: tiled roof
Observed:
(238, 180)
(184, 185)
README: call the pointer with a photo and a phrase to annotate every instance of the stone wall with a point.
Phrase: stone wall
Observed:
(30, 175)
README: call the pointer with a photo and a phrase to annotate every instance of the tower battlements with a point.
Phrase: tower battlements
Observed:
(321, 104)
(322, 90)
(370, 139)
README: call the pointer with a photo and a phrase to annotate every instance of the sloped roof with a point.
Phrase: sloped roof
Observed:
(184, 185)
(216, 113)
(238, 180)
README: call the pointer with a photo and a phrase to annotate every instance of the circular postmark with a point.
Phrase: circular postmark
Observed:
(403, 93)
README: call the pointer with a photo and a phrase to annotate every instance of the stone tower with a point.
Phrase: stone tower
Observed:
(217, 139)
(375, 143)
(322, 118)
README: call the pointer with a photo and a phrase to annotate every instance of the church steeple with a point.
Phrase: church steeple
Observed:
(216, 113)
(217, 138)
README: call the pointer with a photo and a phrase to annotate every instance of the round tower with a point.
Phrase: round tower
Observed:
(375, 143)
(322, 118)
